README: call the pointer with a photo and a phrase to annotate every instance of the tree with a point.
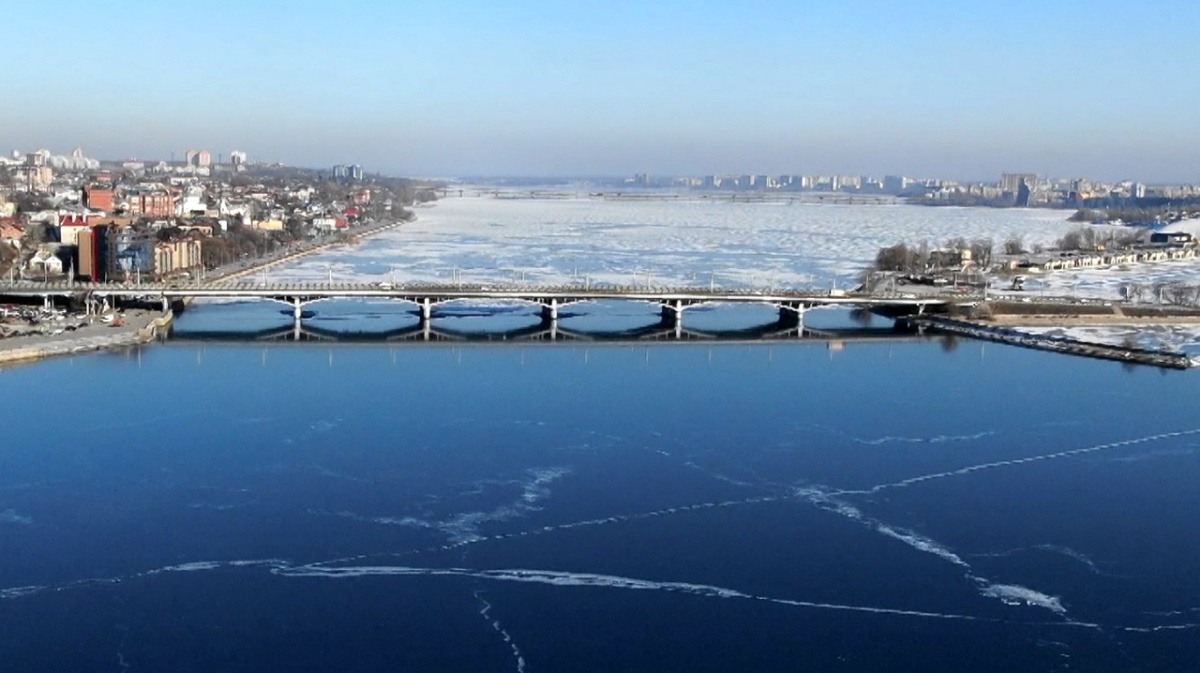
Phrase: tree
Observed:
(296, 227)
(168, 233)
(8, 257)
(957, 243)
(1013, 245)
(1072, 240)
(981, 252)
(898, 257)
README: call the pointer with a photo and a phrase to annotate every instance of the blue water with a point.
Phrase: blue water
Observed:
(899, 506)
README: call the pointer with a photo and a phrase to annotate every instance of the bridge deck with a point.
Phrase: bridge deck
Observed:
(417, 292)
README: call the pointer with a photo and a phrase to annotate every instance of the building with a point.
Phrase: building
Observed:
(198, 158)
(92, 257)
(71, 225)
(894, 184)
(36, 176)
(46, 262)
(11, 232)
(173, 258)
(99, 198)
(1024, 193)
(1171, 238)
(339, 172)
(1011, 182)
(150, 203)
(237, 158)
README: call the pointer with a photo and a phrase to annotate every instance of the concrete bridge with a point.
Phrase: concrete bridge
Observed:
(673, 301)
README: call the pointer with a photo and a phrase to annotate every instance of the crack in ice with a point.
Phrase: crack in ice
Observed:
(483, 612)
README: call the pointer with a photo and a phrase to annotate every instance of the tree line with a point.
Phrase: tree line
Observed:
(905, 258)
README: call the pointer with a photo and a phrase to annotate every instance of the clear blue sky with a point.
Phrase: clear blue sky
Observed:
(940, 89)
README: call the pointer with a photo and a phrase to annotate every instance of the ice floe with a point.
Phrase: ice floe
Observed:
(11, 516)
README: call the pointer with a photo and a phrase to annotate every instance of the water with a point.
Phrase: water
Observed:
(886, 506)
(900, 505)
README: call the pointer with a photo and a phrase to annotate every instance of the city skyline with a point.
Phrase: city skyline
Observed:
(919, 89)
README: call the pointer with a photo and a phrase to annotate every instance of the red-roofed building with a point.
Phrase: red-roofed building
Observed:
(70, 226)
(12, 230)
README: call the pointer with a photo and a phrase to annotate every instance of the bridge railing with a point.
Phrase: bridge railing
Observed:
(451, 289)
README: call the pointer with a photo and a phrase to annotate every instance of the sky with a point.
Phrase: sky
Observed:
(956, 90)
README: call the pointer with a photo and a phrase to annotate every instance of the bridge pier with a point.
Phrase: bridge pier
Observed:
(793, 316)
(672, 312)
(672, 315)
(426, 307)
(550, 311)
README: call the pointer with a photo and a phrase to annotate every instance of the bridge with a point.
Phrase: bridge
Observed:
(672, 301)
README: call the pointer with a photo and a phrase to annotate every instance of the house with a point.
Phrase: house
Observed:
(45, 262)
(1170, 238)
(11, 232)
(949, 258)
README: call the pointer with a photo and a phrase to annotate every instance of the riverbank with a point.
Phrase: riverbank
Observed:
(350, 237)
(138, 326)
(142, 326)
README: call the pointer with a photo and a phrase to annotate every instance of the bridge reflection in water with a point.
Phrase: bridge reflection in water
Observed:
(548, 331)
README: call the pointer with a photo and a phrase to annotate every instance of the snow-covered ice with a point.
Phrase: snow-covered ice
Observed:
(681, 241)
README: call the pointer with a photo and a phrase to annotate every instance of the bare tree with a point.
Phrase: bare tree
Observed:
(898, 257)
(981, 252)
(1013, 245)
(957, 243)
(1134, 292)
(1072, 240)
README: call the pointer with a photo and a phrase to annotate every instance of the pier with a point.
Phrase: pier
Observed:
(1127, 354)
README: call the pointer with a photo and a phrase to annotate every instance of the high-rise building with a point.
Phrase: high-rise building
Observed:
(198, 158)
(1024, 192)
(1011, 182)
(237, 158)
(339, 172)
(894, 184)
